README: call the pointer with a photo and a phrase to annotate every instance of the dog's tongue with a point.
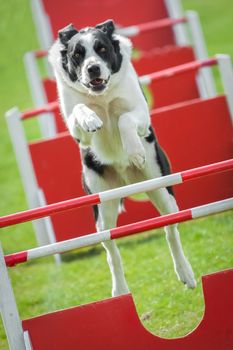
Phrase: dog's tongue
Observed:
(97, 81)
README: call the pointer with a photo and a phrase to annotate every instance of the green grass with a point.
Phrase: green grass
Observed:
(169, 308)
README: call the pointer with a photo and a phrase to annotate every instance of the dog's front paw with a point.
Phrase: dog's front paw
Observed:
(86, 119)
(185, 274)
(138, 160)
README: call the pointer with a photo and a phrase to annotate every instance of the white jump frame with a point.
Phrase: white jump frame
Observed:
(175, 10)
(43, 228)
(46, 121)
(44, 30)
(20, 340)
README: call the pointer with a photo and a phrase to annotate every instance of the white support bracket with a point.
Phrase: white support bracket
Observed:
(9, 310)
(175, 10)
(42, 23)
(27, 340)
(226, 72)
(43, 28)
(206, 80)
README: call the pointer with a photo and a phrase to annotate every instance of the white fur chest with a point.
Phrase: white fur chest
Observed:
(106, 142)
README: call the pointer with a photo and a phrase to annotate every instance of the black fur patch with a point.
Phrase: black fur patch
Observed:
(88, 191)
(151, 137)
(112, 55)
(161, 157)
(92, 163)
(164, 164)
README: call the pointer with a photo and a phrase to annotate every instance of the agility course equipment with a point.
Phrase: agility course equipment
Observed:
(120, 192)
(37, 163)
(191, 86)
(115, 233)
(62, 329)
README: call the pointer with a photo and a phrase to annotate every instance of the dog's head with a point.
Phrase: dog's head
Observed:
(91, 56)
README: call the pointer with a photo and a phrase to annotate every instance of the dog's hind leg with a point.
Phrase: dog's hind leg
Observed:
(107, 217)
(166, 204)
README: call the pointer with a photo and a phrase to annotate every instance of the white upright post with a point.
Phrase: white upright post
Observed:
(175, 10)
(42, 23)
(226, 72)
(43, 27)
(201, 53)
(9, 310)
(48, 225)
(46, 120)
(23, 158)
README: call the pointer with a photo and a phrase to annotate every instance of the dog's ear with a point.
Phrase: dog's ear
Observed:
(66, 34)
(107, 27)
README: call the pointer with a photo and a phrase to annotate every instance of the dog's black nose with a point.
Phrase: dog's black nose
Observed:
(94, 71)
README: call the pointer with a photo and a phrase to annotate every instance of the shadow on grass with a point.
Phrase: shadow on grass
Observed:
(94, 251)
(144, 239)
(79, 255)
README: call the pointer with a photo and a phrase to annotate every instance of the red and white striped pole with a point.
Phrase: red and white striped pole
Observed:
(118, 232)
(119, 192)
(134, 30)
(182, 68)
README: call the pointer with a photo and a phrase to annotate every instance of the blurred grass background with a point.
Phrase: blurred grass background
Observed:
(169, 309)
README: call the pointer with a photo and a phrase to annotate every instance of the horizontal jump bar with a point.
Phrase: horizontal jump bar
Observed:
(182, 68)
(47, 108)
(119, 192)
(118, 232)
(152, 25)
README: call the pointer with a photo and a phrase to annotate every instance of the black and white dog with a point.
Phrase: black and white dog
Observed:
(106, 112)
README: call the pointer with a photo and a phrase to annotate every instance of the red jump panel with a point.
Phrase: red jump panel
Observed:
(124, 13)
(196, 134)
(174, 89)
(114, 324)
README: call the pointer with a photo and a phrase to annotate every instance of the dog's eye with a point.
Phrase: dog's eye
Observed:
(102, 49)
(77, 55)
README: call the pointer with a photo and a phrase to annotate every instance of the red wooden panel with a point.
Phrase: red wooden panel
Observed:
(82, 13)
(114, 324)
(196, 134)
(173, 89)
(58, 171)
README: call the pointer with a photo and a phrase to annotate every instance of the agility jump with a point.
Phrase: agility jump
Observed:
(50, 325)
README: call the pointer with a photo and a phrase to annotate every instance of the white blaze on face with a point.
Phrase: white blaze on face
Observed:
(92, 58)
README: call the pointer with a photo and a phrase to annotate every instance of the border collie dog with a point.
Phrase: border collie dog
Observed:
(106, 112)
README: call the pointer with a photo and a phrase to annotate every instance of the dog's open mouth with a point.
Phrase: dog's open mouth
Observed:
(98, 84)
